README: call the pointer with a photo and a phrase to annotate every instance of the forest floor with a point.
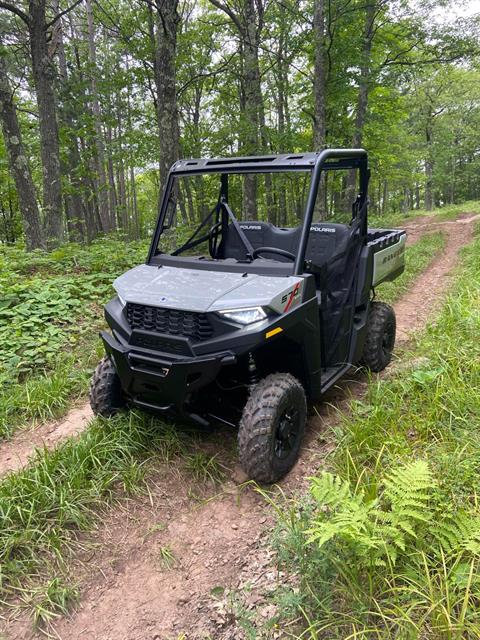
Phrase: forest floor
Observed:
(189, 559)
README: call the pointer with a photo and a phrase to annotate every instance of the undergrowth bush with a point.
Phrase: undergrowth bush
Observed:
(50, 315)
(48, 301)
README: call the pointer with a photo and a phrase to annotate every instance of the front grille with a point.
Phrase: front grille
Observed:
(189, 324)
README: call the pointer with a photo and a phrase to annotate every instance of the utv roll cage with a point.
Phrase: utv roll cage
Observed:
(326, 160)
(224, 338)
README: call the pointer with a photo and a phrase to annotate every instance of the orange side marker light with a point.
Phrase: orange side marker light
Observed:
(273, 332)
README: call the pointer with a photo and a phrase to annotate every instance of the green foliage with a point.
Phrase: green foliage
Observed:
(49, 301)
(50, 314)
(205, 468)
(403, 518)
(167, 557)
(422, 101)
(50, 601)
(46, 395)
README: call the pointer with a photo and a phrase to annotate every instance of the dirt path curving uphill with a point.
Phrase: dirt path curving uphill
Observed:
(131, 589)
(426, 295)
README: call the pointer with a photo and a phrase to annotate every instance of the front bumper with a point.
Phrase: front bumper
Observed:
(158, 382)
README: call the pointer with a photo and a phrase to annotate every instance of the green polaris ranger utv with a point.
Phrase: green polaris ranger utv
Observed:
(244, 311)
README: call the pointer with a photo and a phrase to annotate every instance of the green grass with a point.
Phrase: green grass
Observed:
(166, 557)
(44, 506)
(372, 558)
(50, 601)
(64, 492)
(205, 468)
(417, 259)
(48, 395)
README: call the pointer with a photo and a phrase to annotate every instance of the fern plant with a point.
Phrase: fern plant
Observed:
(403, 514)
(457, 532)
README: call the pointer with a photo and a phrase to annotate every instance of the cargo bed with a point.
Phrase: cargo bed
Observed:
(388, 249)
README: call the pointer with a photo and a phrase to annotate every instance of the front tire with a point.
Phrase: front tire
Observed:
(380, 340)
(272, 427)
(106, 394)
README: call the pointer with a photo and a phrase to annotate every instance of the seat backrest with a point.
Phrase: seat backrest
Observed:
(259, 234)
(326, 241)
(232, 246)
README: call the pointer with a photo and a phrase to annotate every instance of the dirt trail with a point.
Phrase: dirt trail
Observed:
(215, 534)
(419, 304)
(15, 453)
(417, 227)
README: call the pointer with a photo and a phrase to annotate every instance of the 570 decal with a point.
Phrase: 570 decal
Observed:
(290, 296)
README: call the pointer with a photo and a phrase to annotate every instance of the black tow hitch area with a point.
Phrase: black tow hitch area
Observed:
(160, 382)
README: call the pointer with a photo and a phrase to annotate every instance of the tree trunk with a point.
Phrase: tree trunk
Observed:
(385, 197)
(319, 98)
(106, 217)
(268, 176)
(43, 79)
(320, 76)
(252, 92)
(18, 164)
(165, 82)
(248, 22)
(429, 162)
(71, 164)
(365, 72)
(452, 180)
(112, 191)
(363, 90)
(417, 196)
(122, 197)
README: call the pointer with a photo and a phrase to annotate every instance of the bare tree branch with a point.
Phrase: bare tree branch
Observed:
(215, 72)
(226, 9)
(63, 13)
(18, 12)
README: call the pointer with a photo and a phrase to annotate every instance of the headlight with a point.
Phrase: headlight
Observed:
(244, 316)
(121, 300)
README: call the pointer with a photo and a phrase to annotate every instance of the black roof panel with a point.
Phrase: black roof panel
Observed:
(248, 164)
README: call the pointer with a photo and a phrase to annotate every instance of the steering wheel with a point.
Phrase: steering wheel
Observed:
(280, 252)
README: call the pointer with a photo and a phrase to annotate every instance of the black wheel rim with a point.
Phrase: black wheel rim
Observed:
(388, 339)
(286, 433)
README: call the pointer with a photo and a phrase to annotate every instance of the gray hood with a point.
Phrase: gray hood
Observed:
(200, 290)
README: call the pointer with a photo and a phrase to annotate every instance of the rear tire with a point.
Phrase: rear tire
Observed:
(380, 340)
(106, 394)
(272, 427)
